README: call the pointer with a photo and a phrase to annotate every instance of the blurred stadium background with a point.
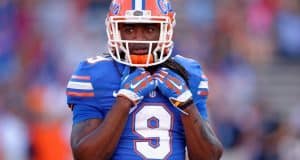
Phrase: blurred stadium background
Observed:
(250, 51)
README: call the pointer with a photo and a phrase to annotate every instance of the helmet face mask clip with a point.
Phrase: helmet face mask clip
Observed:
(122, 12)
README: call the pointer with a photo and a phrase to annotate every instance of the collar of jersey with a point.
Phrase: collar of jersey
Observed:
(123, 69)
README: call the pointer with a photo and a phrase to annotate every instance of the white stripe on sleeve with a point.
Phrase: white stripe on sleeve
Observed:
(80, 85)
(203, 85)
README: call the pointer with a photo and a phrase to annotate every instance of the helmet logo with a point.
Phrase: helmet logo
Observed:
(164, 6)
(115, 8)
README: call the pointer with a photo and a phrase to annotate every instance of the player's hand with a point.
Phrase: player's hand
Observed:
(136, 85)
(174, 87)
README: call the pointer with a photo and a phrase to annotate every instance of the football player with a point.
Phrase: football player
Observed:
(140, 102)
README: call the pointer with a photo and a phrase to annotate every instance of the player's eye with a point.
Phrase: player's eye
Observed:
(151, 29)
(129, 30)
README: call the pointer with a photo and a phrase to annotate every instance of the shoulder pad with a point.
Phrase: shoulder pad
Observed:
(80, 87)
(198, 82)
(191, 66)
(97, 59)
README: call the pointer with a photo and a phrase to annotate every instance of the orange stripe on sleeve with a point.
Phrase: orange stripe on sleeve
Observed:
(81, 77)
(80, 94)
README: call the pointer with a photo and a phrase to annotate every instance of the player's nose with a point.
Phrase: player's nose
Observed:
(140, 34)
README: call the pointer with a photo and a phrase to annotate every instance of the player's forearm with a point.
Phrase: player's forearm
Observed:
(101, 142)
(201, 141)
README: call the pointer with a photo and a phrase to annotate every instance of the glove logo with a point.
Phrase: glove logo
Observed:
(115, 93)
(177, 86)
(132, 86)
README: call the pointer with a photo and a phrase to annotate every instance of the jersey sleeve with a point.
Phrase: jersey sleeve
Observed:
(81, 94)
(85, 112)
(197, 82)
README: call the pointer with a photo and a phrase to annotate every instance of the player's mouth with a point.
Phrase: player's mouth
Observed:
(139, 49)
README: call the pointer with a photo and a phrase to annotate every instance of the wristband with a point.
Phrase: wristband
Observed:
(186, 104)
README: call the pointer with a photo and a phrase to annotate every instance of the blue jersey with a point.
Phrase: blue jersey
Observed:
(154, 129)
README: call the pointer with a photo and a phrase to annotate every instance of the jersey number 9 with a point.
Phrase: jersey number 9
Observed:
(153, 124)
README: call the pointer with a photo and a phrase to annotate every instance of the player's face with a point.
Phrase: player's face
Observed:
(140, 32)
